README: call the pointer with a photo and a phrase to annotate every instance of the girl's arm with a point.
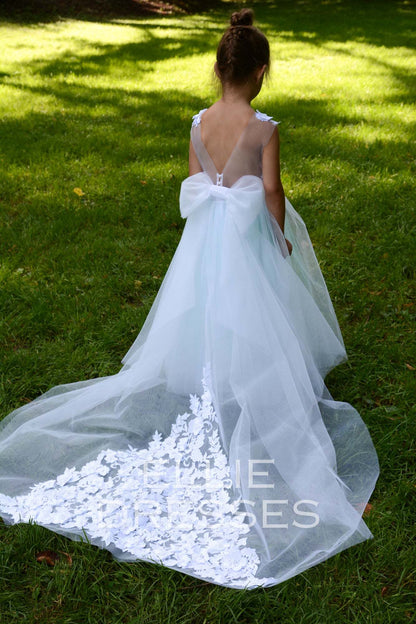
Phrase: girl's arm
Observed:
(194, 166)
(273, 188)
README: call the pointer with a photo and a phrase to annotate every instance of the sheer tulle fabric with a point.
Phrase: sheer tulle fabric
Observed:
(217, 449)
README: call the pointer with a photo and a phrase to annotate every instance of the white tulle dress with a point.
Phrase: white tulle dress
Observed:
(217, 449)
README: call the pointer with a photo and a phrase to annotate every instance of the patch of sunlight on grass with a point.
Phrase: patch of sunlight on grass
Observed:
(127, 58)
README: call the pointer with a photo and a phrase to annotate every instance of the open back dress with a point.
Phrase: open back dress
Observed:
(217, 449)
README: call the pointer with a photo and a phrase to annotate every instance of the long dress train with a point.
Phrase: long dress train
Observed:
(217, 449)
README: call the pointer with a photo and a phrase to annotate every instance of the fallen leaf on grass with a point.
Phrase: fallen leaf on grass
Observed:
(51, 557)
(79, 191)
(367, 509)
(410, 367)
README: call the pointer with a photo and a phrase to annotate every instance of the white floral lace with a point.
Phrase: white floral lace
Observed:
(178, 512)
(264, 117)
(196, 119)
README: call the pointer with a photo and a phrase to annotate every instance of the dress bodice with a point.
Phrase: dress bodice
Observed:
(245, 158)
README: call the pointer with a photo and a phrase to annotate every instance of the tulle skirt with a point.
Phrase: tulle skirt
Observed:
(217, 449)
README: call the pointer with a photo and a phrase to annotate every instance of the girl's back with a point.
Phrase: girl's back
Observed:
(229, 141)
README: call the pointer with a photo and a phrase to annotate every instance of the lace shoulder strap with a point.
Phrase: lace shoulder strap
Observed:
(200, 151)
(267, 127)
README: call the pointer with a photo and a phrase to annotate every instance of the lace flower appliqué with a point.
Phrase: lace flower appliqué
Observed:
(197, 118)
(170, 503)
(264, 117)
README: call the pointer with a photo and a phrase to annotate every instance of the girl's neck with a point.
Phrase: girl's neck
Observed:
(238, 94)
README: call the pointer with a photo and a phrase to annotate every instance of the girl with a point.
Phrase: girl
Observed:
(217, 449)
(243, 57)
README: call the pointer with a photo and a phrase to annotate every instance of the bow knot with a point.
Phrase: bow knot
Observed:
(219, 192)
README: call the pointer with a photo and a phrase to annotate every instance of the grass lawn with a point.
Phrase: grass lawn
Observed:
(106, 107)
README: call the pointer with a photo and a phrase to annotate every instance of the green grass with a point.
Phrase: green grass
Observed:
(106, 107)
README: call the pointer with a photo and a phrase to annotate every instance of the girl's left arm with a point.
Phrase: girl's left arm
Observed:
(273, 188)
(194, 166)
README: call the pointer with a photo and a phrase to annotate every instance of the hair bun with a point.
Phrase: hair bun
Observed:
(245, 17)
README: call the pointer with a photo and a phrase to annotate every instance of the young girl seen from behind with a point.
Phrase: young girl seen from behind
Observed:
(217, 449)
(243, 58)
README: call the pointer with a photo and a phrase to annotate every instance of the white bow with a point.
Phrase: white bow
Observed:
(244, 199)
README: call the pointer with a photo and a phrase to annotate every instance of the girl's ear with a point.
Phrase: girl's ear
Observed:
(260, 73)
(216, 69)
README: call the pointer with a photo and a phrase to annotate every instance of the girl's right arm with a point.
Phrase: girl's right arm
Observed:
(273, 188)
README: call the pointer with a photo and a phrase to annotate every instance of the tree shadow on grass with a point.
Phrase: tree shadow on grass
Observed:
(150, 49)
(42, 11)
(387, 23)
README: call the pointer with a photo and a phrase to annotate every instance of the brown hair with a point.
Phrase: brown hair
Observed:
(242, 49)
